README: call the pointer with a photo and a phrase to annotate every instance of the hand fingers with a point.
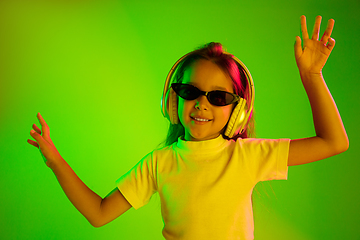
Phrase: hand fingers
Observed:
(316, 30)
(331, 43)
(39, 139)
(44, 126)
(304, 32)
(34, 143)
(328, 31)
(298, 48)
(36, 128)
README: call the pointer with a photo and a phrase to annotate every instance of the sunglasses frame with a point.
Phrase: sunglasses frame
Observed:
(175, 87)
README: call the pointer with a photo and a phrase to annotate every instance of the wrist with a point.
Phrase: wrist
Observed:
(310, 76)
(56, 164)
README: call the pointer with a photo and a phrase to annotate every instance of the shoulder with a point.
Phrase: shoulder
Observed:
(163, 150)
(259, 144)
(159, 154)
(252, 141)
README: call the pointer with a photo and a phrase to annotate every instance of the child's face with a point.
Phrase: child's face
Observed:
(206, 76)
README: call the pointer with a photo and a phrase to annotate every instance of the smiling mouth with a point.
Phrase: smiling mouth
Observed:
(201, 119)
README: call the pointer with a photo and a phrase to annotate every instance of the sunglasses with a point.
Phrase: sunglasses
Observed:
(217, 97)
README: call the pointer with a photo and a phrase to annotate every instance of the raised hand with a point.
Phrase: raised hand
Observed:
(312, 57)
(44, 142)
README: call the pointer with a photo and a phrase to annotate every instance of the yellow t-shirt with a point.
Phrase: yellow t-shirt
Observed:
(205, 187)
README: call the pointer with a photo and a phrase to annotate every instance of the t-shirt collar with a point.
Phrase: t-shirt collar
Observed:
(201, 146)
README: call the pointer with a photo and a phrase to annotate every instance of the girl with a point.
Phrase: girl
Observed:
(206, 173)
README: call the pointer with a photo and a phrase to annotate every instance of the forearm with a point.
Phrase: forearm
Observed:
(83, 198)
(311, 56)
(327, 120)
(98, 211)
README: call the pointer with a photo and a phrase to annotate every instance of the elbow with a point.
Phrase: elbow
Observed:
(341, 146)
(100, 221)
(345, 146)
(97, 221)
(96, 224)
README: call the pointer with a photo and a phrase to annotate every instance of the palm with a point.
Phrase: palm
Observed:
(44, 142)
(314, 54)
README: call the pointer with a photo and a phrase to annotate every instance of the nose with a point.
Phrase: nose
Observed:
(202, 103)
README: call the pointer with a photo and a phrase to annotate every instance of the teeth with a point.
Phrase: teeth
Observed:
(201, 119)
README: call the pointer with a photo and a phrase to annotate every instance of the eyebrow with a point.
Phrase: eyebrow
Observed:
(214, 87)
(220, 88)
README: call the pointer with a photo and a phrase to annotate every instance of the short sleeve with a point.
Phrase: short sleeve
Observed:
(268, 158)
(138, 185)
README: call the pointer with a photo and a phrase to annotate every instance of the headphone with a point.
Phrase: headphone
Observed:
(240, 115)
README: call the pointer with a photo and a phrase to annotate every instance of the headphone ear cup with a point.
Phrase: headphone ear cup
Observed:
(171, 107)
(237, 119)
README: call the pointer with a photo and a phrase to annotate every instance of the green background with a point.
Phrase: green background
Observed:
(95, 71)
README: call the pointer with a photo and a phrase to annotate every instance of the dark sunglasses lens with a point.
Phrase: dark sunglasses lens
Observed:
(187, 92)
(220, 98)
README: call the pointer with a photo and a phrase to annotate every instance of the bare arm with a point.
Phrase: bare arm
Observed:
(98, 211)
(331, 137)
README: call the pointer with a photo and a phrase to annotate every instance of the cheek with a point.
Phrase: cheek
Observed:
(226, 112)
(182, 108)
